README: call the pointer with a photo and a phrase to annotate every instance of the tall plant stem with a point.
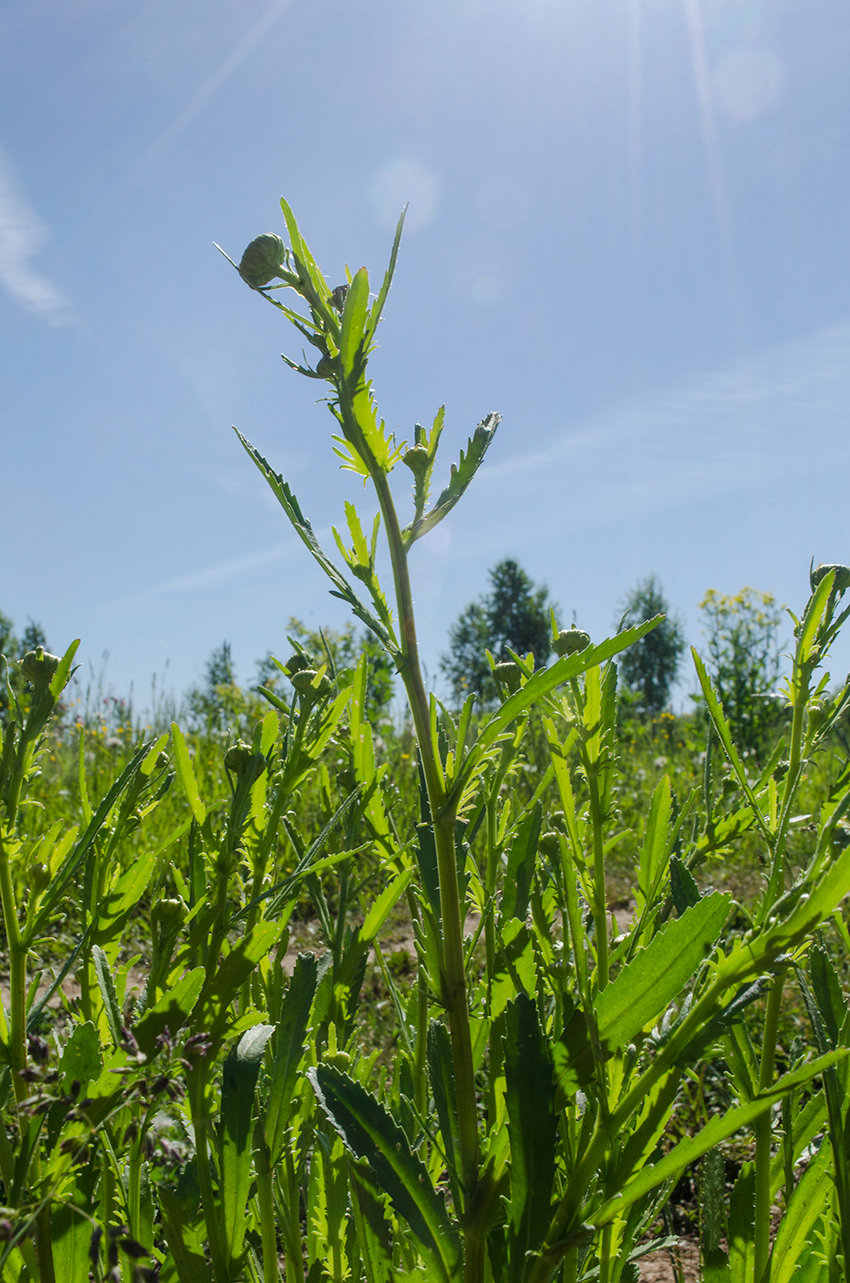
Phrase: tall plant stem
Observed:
(444, 838)
(17, 978)
(198, 1106)
(761, 1246)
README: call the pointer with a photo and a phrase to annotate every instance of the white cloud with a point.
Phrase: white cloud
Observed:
(21, 234)
(734, 431)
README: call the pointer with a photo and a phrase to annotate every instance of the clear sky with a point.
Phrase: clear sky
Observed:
(629, 232)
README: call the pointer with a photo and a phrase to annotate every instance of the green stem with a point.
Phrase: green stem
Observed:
(762, 1127)
(17, 978)
(198, 1109)
(265, 1203)
(444, 825)
(599, 907)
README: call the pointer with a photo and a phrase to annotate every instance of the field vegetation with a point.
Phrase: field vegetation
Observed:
(506, 990)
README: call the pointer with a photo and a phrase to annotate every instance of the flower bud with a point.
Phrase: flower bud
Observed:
(549, 843)
(39, 666)
(570, 641)
(303, 682)
(508, 674)
(338, 297)
(296, 663)
(262, 260)
(417, 459)
(842, 576)
(238, 757)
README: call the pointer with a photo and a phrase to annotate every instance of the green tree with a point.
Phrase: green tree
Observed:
(218, 701)
(744, 658)
(514, 615)
(650, 667)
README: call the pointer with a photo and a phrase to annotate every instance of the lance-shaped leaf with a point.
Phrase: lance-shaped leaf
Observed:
(796, 1234)
(239, 1081)
(186, 775)
(532, 1126)
(461, 475)
(371, 1133)
(658, 973)
(373, 1231)
(718, 1129)
(287, 500)
(522, 855)
(563, 670)
(291, 1028)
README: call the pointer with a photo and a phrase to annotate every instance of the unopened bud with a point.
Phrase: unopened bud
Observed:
(296, 663)
(263, 260)
(570, 641)
(338, 297)
(306, 684)
(39, 666)
(238, 757)
(508, 674)
(549, 843)
(842, 576)
(417, 458)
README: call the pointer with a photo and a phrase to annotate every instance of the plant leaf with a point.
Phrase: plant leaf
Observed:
(371, 1133)
(461, 475)
(291, 1028)
(304, 530)
(719, 1128)
(658, 973)
(239, 1081)
(532, 1126)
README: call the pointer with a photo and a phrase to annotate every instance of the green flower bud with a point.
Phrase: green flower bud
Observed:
(508, 674)
(167, 911)
(263, 260)
(842, 576)
(296, 663)
(39, 666)
(549, 843)
(238, 757)
(417, 459)
(303, 683)
(570, 641)
(39, 877)
(338, 297)
(339, 1059)
(818, 712)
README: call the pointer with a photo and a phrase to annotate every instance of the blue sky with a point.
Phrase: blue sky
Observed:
(629, 232)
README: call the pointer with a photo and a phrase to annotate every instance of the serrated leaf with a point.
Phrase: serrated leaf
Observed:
(171, 1012)
(81, 1057)
(461, 475)
(658, 973)
(810, 1200)
(238, 1084)
(522, 856)
(291, 1028)
(304, 530)
(106, 985)
(371, 1133)
(719, 1128)
(532, 1126)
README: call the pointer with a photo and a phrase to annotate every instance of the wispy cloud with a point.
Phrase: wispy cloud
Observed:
(210, 87)
(210, 576)
(741, 429)
(22, 233)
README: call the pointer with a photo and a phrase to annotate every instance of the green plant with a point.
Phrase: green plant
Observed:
(575, 1053)
(512, 616)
